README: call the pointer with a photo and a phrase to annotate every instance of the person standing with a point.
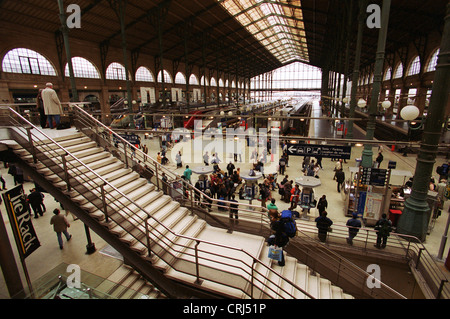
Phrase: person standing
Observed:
(40, 108)
(234, 210)
(52, 105)
(60, 225)
(323, 224)
(187, 174)
(353, 224)
(383, 228)
(178, 159)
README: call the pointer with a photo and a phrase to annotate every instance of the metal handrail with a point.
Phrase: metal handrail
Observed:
(159, 168)
(410, 247)
(190, 186)
(254, 260)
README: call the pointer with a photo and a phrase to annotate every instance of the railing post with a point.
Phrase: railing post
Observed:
(253, 279)
(441, 287)
(418, 257)
(66, 173)
(157, 175)
(105, 207)
(33, 149)
(125, 147)
(197, 267)
(147, 233)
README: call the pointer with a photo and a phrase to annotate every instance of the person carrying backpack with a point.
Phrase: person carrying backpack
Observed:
(285, 227)
(383, 228)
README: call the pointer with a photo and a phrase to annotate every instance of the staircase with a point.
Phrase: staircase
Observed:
(166, 235)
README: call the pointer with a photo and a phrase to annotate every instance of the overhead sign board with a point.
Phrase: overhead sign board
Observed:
(374, 176)
(324, 151)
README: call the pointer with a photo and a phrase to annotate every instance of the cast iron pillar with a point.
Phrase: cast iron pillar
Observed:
(355, 76)
(367, 154)
(414, 219)
(65, 33)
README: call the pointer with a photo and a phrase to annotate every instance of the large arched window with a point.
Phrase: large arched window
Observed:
(202, 81)
(221, 83)
(27, 61)
(388, 74)
(213, 82)
(414, 67)
(180, 78)
(167, 77)
(431, 66)
(144, 75)
(82, 68)
(398, 73)
(116, 71)
(193, 80)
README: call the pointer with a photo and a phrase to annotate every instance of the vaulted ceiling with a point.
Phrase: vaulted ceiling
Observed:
(244, 37)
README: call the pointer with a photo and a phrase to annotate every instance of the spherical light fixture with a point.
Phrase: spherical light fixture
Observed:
(410, 112)
(222, 113)
(230, 113)
(345, 100)
(386, 104)
(362, 103)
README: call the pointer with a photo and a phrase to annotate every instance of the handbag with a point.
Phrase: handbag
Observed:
(275, 253)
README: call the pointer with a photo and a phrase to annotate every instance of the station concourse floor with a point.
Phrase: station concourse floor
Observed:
(49, 256)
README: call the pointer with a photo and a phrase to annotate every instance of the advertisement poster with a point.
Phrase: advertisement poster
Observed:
(20, 219)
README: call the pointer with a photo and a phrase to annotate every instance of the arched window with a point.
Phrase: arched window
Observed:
(221, 83)
(116, 71)
(82, 68)
(27, 61)
(193, 80)
(180, 78)
(433, 61)
(414, 67)
(233, 84)
(213, 82)
(144, 75)
(398, 73)
(167, 77)
(388, 74)
(202, 81)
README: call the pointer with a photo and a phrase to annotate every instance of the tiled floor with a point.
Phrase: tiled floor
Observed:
(48, 256)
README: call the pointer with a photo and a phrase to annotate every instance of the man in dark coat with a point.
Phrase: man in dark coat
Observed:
(35, 200)
(340, 179)
(323, 224)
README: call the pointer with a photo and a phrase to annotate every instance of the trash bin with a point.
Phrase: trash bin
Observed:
(358, 162)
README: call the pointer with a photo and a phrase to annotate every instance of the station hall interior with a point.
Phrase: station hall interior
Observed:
(185, 130)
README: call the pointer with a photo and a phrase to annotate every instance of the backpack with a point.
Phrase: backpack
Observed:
(288, 223)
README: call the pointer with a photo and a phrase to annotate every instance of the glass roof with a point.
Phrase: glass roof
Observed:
(276, 24)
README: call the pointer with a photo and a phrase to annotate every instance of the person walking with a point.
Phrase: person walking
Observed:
(383, 228)
(52, 105)
(353, 224)
(323, 224)
(322, 205)
(378, 160)
(35, 200)
(60, 225)
(340, 179)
